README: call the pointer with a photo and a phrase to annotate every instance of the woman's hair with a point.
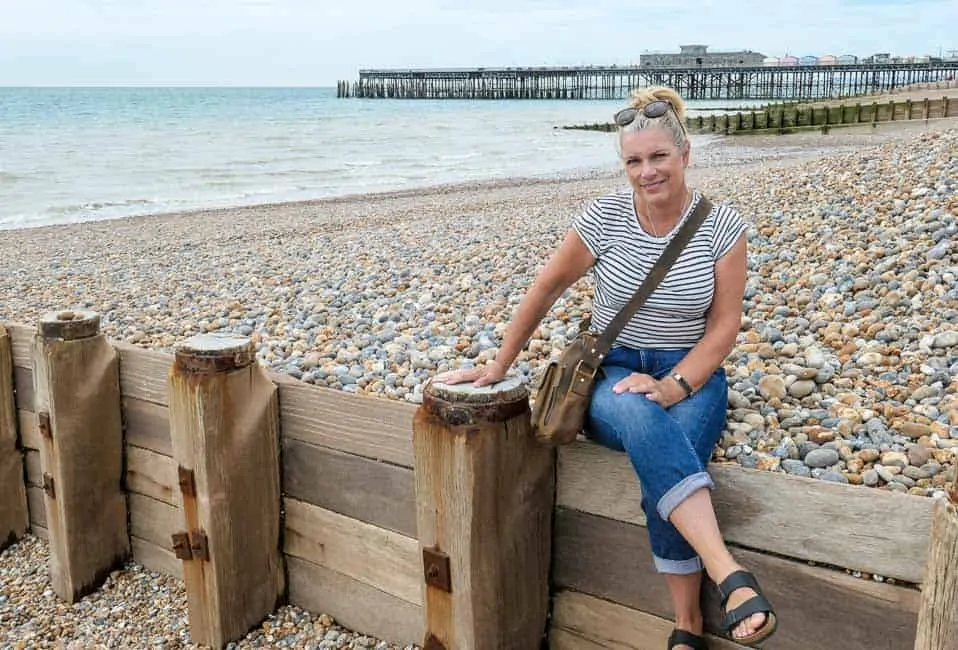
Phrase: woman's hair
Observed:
(673, 121)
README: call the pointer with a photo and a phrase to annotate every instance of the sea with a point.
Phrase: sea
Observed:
(70, 155)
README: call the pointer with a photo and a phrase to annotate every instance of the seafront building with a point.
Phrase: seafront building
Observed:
(691, 56)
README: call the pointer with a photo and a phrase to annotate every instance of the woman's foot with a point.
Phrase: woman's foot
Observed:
(749, 617)
(754, 622)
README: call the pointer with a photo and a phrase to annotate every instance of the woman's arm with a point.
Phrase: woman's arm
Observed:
(721, 327)
(569, 263)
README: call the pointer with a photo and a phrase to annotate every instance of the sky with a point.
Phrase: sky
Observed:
(317, 42)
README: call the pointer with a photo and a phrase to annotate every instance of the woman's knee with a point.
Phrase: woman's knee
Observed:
(622, 410)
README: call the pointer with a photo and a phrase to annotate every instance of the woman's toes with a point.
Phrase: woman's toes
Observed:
(749, 626)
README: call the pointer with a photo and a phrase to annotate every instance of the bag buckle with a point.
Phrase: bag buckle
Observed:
(582, 379)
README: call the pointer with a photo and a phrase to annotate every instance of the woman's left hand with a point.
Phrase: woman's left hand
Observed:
(664, 392)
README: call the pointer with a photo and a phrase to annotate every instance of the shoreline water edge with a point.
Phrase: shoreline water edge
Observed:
(845, 368)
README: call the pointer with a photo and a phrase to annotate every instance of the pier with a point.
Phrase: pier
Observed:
(615, 82)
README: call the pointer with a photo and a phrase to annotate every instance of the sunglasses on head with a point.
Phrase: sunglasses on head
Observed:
(654, 109)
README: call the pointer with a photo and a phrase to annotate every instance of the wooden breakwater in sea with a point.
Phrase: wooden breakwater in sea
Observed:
(786, 118)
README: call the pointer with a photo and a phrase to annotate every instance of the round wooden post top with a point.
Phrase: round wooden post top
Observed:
(214, 353)
(458, 404)
(69, 325)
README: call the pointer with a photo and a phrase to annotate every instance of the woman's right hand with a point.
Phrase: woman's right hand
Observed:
(481, 376)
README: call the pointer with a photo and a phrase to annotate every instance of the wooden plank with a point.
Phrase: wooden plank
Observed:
(156, 558)
(583, 621)
(354, 604)
(14, 514)
(154, 521)
(152, 474)
(562, 639)
(807, 519)
(143, 373)
(612, 560)
(224, 426)
(485, 491)
(377, 557)
(77, 382)
(366, 426)
(34, 473)
(40, 531)
(613, 490)
(368, 490)
(21, 339)
(23, 388)
(938, 618)
(29, 430)
(37, 506)
(147, 425)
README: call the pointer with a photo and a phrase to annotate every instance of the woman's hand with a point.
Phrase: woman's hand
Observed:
(481, 376)
(664, 392)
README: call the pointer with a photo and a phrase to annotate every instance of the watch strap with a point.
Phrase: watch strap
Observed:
(683, 382)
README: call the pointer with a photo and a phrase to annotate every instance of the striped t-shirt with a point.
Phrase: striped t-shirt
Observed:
(674, 315)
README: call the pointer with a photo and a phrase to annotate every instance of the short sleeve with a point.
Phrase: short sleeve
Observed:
(729, 226)
(590, 226)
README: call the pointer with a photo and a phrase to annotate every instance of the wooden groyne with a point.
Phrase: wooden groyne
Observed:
(613, 82)
(337, 497)
(785, 118)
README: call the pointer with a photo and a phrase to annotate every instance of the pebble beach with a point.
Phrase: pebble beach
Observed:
(845, 370)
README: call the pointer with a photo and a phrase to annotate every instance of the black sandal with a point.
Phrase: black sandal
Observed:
(684, 637)
(757, 604)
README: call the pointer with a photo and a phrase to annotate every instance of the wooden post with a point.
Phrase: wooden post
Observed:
(937, 614)
(484, 498)
(76, 375)
(224, 421)
(14, 517)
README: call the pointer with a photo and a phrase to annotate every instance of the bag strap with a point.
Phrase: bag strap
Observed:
(656, 275)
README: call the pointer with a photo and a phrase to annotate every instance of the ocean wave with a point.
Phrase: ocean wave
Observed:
(460, 156)
(362, 163)
(93, 206)
(9, 178)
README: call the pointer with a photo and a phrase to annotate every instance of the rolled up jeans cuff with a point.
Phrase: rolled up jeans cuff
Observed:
(677, 567)
(682, 491)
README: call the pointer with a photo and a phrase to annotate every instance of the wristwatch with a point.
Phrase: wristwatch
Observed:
(683, 382)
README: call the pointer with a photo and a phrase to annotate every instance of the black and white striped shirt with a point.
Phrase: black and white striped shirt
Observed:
(674, 315)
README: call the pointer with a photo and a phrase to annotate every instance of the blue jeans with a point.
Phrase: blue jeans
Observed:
(669, 448)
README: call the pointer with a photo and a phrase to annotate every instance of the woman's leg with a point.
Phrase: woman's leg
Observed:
(670, 451)
(668, 467)
(695, 518)
(686, 590)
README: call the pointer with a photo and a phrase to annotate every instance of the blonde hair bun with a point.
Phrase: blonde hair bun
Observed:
(649, 94)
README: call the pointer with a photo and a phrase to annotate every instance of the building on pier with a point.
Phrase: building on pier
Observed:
(693, 56)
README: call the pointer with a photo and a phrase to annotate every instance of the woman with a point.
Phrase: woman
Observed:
(663, 395)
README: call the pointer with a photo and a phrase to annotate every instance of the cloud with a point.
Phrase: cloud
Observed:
(301, 42)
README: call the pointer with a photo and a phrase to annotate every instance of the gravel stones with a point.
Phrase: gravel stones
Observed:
(135, 608)
(850, 323)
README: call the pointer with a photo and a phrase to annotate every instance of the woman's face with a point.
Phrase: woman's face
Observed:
(655, 164)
